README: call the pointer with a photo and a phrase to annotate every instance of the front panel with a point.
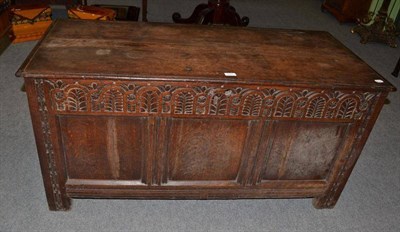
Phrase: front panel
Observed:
(205, 149)
(103, 148)
(303, 150)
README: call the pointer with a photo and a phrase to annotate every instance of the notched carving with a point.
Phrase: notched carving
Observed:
(44, 118)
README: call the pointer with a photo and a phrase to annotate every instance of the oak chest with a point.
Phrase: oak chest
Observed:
(140, 110)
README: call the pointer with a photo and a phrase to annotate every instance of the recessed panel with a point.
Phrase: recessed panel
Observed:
(303, 150)
(205, 150)
(103, 147)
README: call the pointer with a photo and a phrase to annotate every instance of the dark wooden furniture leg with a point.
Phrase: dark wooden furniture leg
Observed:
(396, 69)
(144, 11)
(54, 175)
(215, 12)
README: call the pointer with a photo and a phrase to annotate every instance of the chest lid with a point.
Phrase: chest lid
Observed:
(170, 52)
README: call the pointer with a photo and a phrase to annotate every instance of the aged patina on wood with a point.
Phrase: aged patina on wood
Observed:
(135, 110)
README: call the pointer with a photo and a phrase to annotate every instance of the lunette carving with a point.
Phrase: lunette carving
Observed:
(44, 117)
(144, 98)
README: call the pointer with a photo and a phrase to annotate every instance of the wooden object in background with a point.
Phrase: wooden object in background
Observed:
(46, 2)
(5, 25)
(215, 12)
(347, 10)
(164, 111)
(396, 69)
(29, 22)
(91, 13)
(123, 13)
(144, 9)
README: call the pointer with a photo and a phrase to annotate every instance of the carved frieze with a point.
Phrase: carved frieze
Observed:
(206, 100)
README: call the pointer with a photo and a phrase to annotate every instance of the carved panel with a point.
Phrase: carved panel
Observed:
(116, 156)
(303, 150)
(205, 150)
(207, 100)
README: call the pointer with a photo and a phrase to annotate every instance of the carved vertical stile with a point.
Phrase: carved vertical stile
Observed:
(60, 202)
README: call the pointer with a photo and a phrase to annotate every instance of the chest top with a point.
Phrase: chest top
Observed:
(168, 52)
